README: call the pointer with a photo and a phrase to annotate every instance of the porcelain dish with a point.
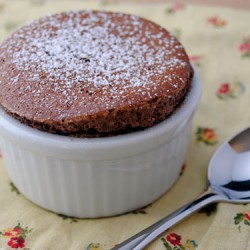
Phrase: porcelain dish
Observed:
(98, 177)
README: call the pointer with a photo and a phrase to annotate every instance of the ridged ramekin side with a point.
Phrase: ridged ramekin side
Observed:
(96, 188)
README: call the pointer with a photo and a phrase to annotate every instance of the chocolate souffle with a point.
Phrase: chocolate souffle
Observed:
(92, 73)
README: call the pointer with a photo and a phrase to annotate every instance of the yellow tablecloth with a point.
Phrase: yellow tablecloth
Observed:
(218, 42)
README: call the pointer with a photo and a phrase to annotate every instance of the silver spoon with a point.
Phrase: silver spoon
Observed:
(229, 179)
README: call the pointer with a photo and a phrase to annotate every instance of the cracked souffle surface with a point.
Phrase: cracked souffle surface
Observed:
(92, 73)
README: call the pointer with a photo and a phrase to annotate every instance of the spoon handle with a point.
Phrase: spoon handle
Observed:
(143, 238)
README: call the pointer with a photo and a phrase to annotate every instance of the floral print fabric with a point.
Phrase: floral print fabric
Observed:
(218, 43)
(173, 241)
(15, 236)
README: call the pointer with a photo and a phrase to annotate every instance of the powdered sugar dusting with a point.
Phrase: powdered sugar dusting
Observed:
(79, 54)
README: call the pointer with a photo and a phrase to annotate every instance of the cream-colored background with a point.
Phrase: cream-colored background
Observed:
(221, 62)
(245, 4)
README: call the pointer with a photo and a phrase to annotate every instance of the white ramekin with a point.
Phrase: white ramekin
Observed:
(99, 176)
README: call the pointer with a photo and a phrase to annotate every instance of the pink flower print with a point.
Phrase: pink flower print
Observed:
(244, 47)
(224, 88)
(230, 90)
(196, 60)
(176, 7)
(217, 21)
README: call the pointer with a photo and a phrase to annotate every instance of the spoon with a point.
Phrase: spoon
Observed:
(229, 181)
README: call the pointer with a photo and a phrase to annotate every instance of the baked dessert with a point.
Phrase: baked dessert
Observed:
(92, 73)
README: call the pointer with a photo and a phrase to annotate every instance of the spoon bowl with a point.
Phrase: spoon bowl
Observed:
(229, 181)
(229, 168)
